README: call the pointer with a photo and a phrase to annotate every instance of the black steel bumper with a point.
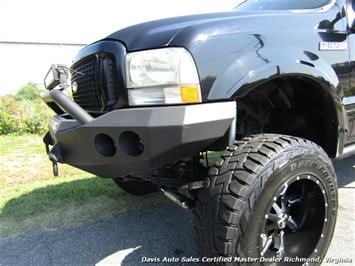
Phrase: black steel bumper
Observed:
(135, 139)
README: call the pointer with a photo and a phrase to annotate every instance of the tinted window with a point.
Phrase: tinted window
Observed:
(281, 4)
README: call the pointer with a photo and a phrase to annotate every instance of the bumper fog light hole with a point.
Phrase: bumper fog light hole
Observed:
(105, 145)
(131, 143)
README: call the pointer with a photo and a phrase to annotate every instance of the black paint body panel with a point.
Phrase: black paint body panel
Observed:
(235, 51)
(239, 50)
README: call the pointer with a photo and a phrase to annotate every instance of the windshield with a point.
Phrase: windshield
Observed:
(281, 4)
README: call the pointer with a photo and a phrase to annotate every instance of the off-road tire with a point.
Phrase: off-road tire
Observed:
(136, 187)
(229, 213)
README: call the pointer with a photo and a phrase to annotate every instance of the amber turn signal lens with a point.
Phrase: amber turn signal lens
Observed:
(190, 94)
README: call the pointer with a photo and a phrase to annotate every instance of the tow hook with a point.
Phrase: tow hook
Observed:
(55, 156)
(54, 165)
(177, 199)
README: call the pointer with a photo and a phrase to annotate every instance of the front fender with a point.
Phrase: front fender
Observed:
(288, 62)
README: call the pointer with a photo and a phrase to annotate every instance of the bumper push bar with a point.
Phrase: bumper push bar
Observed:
(72, 108)
(134, 139)
(75, 111)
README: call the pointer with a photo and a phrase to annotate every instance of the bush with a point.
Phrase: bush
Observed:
(33, 125)
(10, 105)
(7, 123)
(9, 115)
(35, 117)
(24, 113)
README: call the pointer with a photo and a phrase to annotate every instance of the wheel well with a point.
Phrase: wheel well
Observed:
(293, 106)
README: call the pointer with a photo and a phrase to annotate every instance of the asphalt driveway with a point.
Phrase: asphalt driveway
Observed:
(158, 231)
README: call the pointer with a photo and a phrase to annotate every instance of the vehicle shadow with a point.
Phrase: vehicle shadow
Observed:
(148, 234)
(345, 170)
(139, 234)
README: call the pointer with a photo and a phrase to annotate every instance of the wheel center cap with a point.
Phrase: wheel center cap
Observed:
(282, 220)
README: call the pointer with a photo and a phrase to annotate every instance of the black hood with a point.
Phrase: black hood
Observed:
(182, 30)
(160, 33)
(227, 46)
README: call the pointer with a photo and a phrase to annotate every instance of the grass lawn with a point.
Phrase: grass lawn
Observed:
(31, 198)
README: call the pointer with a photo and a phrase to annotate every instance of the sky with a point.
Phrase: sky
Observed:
(85, 21)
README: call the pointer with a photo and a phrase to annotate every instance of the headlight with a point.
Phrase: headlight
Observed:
(162, 76)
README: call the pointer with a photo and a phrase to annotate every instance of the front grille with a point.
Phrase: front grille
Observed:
(96, 81)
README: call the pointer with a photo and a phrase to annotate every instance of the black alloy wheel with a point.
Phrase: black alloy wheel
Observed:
(296, 219)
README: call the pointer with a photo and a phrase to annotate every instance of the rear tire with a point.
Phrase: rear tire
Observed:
(136, 187)
(267, 196)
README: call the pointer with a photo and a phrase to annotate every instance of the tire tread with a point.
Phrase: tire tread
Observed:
(233, 184)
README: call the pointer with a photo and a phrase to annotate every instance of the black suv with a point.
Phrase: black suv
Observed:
(272, 83)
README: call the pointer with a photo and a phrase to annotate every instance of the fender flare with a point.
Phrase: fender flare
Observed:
(317, 71)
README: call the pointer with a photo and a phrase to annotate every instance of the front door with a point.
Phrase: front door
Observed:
(349, 93)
